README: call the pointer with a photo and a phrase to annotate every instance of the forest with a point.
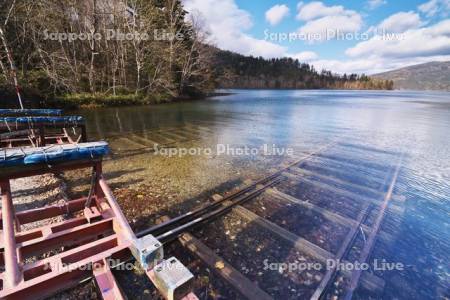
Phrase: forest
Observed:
(112, 52)
(237, 71)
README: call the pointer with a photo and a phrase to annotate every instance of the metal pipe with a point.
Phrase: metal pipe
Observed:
(13, 275)
(120, 217)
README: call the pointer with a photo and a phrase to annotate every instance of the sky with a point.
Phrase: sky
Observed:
(355, 36)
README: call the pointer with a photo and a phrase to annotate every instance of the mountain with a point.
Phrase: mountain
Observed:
(428, 76)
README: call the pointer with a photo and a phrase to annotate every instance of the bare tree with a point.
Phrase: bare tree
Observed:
(9, 54)
(142, 66)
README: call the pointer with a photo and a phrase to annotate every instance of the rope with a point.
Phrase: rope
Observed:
(44, 151)
(30, 138)
(45, 157)
(90, 152)
(7, 125)
(30, 123)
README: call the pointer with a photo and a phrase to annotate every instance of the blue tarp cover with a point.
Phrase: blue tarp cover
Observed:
(52, 154)
(30, 112)
(36, 120)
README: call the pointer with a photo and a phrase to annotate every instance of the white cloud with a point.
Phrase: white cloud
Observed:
(434, 7)
(321, 20)
(276, 14)
(344, 66)
(378, 55)
(227, 24)
(328, 26)
(317, 9)
(373, 4)
(372, 65)
(418, 45)
(304, 56)
(401, 22)
(420, 42)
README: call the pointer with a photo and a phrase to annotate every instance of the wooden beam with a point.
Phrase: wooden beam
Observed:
(198, 128)
(143, 141)
(338, 166)
(226, 271)
(299, 243)
(182, 132)
(300, 171)
(176, 136)
(368, 246)
(165, 140)
(242, 284)
(368, 280)
(331, 216)
(395, 208)
(127, 140)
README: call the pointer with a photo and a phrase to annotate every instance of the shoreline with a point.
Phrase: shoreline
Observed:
(88, 101)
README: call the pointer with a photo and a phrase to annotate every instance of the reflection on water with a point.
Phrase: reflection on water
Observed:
(375, 127)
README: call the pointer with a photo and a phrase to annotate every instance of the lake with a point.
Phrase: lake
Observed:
(211, 145)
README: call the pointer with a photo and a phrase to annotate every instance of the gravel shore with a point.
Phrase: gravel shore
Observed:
(37, 191)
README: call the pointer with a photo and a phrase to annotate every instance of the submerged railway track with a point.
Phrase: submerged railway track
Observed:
(344, 202)
(373, 203)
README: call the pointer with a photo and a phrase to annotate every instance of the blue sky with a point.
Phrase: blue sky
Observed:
(374, 35)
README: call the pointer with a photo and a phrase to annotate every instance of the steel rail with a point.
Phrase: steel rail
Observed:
(191, 215)
(330, 276)
(368, 247)
(174, 233)
(204, 214)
